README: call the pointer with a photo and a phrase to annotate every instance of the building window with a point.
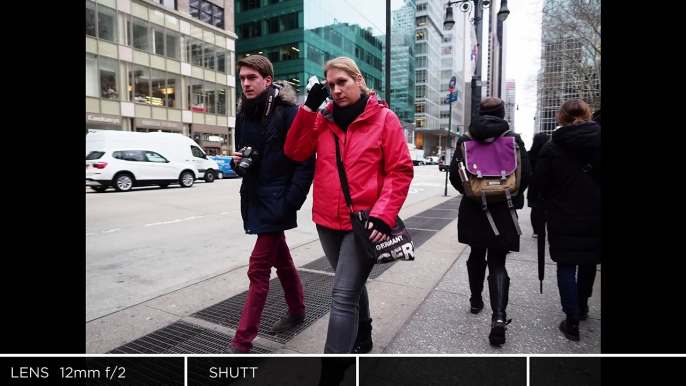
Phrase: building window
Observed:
(419, 108)
(209, 56)
(211, 97)
(173, 84)
(250, 30)
(107, 23)
(159, 88)
(194, 8)
(108, 78)
(90, 19)
(207, 12)
(218, 17)
(124, 29)
(140, 34)
(196, 95)
(221, 100)
(141, 77)
(221, 60)
(246, 5)
(421, 7)
(167, 3)
(196, 51)
(92, 75)
(172, 46)
(157, 39)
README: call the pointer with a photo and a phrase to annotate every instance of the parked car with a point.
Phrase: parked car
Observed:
(432, 160)
(174, 146)
(225, 170)
(124, 168)
(441, 164)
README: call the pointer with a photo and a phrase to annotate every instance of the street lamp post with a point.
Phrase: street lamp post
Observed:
(449, 22)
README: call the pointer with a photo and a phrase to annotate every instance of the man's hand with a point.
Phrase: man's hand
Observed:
(237, 157)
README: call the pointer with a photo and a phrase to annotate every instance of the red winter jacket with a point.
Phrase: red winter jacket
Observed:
(376, 159)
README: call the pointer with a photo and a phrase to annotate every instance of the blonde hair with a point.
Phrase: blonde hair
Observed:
(348, 65)
(573, 111)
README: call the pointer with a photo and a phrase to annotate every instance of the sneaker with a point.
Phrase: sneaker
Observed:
(287, 321)
(570, 330)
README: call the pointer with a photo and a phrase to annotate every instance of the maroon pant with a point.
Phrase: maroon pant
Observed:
(270, 251)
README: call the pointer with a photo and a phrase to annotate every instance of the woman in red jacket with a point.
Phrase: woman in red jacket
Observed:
(379, 170)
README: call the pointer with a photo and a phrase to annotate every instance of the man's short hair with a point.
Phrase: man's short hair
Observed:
(258, 62)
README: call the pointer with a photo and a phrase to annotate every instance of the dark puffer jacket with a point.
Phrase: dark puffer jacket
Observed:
(274, 190)
(473, 227)
(572, 196)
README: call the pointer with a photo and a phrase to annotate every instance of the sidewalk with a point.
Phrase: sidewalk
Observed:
(418, 307)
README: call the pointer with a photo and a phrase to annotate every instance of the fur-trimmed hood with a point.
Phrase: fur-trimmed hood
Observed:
(287, 95)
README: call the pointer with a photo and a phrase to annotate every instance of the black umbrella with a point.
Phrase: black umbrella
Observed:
(541, 253)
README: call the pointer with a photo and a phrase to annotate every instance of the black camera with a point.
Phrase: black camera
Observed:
(249, 160)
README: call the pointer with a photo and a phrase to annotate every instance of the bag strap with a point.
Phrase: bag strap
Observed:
(342, 176)
(488, 140)
(268, 111)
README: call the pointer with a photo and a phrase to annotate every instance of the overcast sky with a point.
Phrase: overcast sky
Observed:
(523, 60)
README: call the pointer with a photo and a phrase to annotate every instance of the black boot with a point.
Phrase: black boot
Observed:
(498, 288)
(363, 341)
(570, 327)
(476, 271)
(583, 308)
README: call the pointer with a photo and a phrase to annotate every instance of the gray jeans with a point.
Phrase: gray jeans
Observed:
(349, 302)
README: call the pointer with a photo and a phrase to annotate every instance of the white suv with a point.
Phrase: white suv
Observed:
(125, 168)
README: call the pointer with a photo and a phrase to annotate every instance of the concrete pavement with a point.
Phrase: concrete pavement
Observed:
(418, 307)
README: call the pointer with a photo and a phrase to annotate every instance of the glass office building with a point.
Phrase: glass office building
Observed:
(299, 36)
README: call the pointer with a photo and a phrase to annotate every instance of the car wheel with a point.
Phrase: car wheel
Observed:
(164, 186)
(186, 180)
(123, 182)
(209, 176)
(99, 189)
(220, 175)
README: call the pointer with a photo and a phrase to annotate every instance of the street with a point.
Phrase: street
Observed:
(150, 241)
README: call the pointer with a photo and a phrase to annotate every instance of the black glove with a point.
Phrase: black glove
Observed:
(380, 226)
(317, 95)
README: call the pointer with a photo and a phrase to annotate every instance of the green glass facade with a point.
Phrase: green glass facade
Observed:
(299, 36)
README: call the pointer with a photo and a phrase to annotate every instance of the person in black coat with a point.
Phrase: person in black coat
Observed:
(474, 229)
(568, 178)
(273, 189)
(532, 195)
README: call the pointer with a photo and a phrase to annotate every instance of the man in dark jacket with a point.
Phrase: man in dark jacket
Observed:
(274, 188)
(474, 229)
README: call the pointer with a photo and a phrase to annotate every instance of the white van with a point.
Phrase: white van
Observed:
(175, 147)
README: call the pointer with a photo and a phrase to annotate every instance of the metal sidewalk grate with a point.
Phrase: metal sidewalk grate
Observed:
(321, 264)
(316, 288)
(182, 338)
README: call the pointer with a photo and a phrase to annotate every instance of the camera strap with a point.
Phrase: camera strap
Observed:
(273, 92)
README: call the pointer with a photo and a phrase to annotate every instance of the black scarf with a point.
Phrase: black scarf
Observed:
(344, 116)
(251, 106)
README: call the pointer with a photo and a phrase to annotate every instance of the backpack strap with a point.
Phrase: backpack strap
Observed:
(510, 205)
(488, 140)
(484, 207)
